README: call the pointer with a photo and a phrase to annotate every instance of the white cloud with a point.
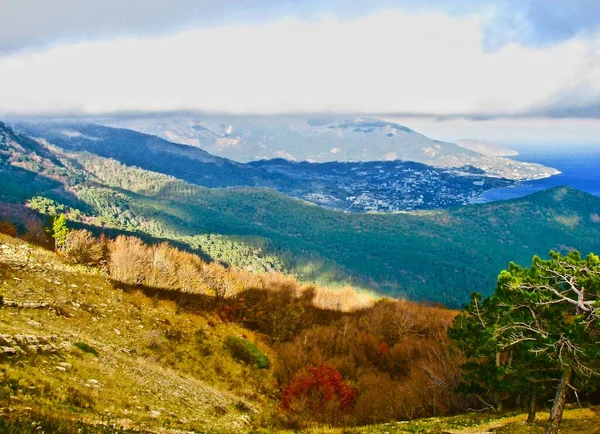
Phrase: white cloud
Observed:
(388, 62)
(521, 133)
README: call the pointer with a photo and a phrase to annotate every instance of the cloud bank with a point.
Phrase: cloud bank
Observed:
(387, 62)
(41, 23)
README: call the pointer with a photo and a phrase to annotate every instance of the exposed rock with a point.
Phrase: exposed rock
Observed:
(26, 343)
(10, 351)
(6, 340)
(27, 304)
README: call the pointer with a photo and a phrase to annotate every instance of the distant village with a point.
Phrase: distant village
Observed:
(405, 188)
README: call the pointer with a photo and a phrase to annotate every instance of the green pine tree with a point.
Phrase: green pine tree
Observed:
(542, 323)
(60, 231)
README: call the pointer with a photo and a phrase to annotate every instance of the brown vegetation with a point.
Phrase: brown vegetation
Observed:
(18, 220)
(319, 393)
(396, 354)
(8, 228)
(393, 355)
(82, 248)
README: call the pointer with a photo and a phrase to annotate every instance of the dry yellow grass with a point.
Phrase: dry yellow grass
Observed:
(575, 421)
(158, 366)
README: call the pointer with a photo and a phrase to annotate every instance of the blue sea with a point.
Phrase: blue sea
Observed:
(580, 169)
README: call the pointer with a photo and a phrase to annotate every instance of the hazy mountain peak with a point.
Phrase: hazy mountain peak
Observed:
(486, 148)
(324, 138)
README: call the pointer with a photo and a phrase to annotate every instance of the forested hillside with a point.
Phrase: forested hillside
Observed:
(439, 256)
(193, 325)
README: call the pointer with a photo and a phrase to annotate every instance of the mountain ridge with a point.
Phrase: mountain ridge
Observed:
(320, 139)
(487, 148)
(353, 186)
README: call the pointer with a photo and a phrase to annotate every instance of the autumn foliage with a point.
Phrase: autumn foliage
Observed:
(319, 393)
(395, 353)
(341, 358)
(8, 228)
(82, 247)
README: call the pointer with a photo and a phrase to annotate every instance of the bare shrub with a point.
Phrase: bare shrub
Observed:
(35, 233)
(189, 272)
(344, 300)
(129, 260)
(163, 264)
(220, 282)
(81, 247)
(378, 399)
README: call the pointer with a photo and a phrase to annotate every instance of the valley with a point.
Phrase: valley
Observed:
(439, 255)
(354, 186)
(148, 338)
(384, 186)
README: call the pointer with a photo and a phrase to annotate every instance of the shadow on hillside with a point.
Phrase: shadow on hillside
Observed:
(279, 313)
(192, 302)
(20, 216)
(19, 184)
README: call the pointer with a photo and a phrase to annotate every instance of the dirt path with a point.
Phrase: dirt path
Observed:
(575, 421)
(489, 427)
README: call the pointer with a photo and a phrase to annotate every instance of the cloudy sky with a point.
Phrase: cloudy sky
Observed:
(507, 70)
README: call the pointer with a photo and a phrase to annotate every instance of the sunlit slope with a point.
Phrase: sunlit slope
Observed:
(78, 349)
(437, 256)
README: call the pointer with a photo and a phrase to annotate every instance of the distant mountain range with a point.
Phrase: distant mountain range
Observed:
(322, 139)
(439, 255)
(351, 186)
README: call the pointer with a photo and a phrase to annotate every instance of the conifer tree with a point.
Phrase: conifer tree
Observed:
(60, 231)
(542, 323)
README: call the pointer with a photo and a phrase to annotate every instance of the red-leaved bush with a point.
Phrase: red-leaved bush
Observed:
(383, 349)
(320, 393)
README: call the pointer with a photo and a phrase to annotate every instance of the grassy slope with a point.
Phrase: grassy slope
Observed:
(157, 365)
(575, 421)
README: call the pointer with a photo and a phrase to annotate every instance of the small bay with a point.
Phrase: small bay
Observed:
(580, 169)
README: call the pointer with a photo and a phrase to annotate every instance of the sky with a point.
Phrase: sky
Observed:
(511, 71)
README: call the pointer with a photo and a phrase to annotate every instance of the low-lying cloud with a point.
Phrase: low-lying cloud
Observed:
(389, 62)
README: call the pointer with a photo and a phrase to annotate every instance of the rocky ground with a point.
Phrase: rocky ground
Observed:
(75, 344)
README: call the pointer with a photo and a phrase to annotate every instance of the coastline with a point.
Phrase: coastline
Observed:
(577, 170)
